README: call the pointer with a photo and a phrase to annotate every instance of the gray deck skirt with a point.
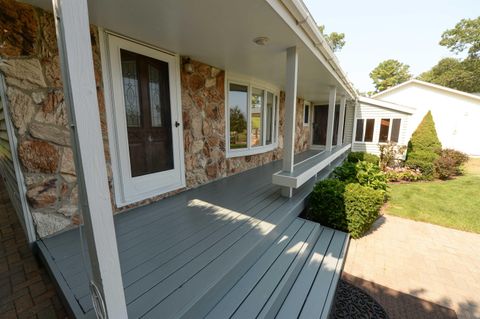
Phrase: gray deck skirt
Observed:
(233, 248)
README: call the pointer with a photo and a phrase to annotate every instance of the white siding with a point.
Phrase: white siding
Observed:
(456, 116)
(367, 111)
(349, 115)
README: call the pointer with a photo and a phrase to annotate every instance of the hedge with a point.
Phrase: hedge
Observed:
(355, 157)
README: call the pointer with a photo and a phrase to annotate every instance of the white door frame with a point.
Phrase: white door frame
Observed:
(130, 189)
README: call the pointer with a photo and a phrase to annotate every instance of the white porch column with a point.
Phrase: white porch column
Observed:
(73, 36)
(331, 117)
(341, 120)
(290, 110)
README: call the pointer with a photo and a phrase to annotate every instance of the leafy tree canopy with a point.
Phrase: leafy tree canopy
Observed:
(335, 40)
(464, 36)
(456, 74)
(389, 73)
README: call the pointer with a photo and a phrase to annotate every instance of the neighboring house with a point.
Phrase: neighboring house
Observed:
(378, 122)
(455, 113)
(179, 112)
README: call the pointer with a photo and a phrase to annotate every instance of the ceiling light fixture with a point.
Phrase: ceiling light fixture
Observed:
(261, 40)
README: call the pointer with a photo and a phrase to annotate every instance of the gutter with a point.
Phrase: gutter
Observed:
(305, 20)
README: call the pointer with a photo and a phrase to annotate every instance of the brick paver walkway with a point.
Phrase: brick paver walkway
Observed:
(434, 263)
(26, 290)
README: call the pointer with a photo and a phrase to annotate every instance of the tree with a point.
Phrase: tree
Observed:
(335, 40)
(389, 73)
(456, 74)
(465, 35)
(424, 147)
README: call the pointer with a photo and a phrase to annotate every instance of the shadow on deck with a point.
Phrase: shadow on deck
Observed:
(233, 248)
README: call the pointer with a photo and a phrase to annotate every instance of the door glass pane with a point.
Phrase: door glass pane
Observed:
(238, 106)
(154, 93)
(305, 113)
(384, 127)
(395, 130)
(256, 113)
(269, 126)
(359, 131)
(369, 130)
(147, 98)
(130, 90)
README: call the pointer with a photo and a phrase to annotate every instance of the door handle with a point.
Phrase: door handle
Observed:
(150, 139)
(177, 124)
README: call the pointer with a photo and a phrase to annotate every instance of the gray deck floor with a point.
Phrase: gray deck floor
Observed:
(231, 248)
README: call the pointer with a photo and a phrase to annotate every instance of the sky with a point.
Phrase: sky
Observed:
(377, 30)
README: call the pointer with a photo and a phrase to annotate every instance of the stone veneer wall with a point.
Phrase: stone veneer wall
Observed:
(30, 65)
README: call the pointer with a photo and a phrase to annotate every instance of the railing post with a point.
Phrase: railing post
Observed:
(290, 110)
(73, 37)
(341, 120)
(331, 117)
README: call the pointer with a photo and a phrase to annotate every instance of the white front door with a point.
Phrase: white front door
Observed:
(147, 119)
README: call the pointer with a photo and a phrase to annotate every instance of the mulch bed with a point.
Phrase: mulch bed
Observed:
(358, 298)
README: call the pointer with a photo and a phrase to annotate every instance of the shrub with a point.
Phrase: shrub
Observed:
(445, 167)
(425, 137)
(425, 167)
(390, 154)
(424, 147)
(458, 157)
(355, 157)
(362, 207)
(364, 173)
(347, 172)
(327, 204)
(347, 207)
(403, 174)
(450, 163)
(370, 175)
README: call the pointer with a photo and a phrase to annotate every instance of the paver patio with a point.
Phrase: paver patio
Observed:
(434, 263)
(26, 290)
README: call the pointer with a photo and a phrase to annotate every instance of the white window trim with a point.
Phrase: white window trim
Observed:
(390, 126)
(250, 83)
(365, 130)
(306, 106)
(122, 195)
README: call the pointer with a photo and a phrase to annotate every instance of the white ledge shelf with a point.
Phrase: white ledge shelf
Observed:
(308, 168)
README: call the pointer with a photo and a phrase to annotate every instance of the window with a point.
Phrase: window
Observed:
(252, 118)
(364, 132)
(359, 131)
(395, 130)
(238, 101)
(369, 130)
(389, 130)
(384, 128)
(306, 114)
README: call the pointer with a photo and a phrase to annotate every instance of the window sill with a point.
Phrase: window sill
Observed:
(251, 151)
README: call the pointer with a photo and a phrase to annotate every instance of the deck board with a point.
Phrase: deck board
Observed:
(181, 256)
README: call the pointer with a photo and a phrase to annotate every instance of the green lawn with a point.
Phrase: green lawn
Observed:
(454, 203)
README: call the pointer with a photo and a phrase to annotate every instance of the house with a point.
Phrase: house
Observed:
(455, 112)
(378, 122)
(202, 126)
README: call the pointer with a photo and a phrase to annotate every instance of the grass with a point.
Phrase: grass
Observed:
(454, 203)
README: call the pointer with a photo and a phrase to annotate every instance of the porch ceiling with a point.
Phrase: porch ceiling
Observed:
(220, 33)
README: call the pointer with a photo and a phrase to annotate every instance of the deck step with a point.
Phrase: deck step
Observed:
(271, 274)
(312, 294)
(194, 297)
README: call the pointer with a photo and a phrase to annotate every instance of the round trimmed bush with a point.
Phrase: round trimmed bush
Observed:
(327, 204)
(362, 207)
